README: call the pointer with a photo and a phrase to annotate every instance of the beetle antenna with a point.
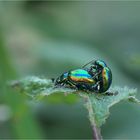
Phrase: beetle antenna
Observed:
(88, 63)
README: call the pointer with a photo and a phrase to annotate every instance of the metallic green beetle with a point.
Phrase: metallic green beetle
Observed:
(103, 74)
(95, 76)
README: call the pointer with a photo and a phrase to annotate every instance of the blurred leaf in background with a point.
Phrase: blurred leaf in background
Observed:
(15, 116)
(48, 38)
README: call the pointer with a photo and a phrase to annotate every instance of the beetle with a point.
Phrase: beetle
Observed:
(101, 72)
(78, 79)
(95, 76)
(104, 80)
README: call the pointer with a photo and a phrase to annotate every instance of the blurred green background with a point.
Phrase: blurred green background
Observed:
(45, 38)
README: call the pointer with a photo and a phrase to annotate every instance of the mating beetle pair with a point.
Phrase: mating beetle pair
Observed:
(95, 76)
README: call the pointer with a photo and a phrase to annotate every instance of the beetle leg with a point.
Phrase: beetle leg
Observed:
(71, 84)
(94, 88)
(59, 85)
(97, 74)
(111, 93)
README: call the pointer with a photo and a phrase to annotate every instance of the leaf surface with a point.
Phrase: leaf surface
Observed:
(98, 105)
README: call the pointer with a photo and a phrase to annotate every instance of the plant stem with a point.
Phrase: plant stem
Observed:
(95, 128)
(96, 133)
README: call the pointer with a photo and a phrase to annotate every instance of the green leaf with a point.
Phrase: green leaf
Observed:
(32, 86)
(18, 122)
(37, 88)
(98, 105)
